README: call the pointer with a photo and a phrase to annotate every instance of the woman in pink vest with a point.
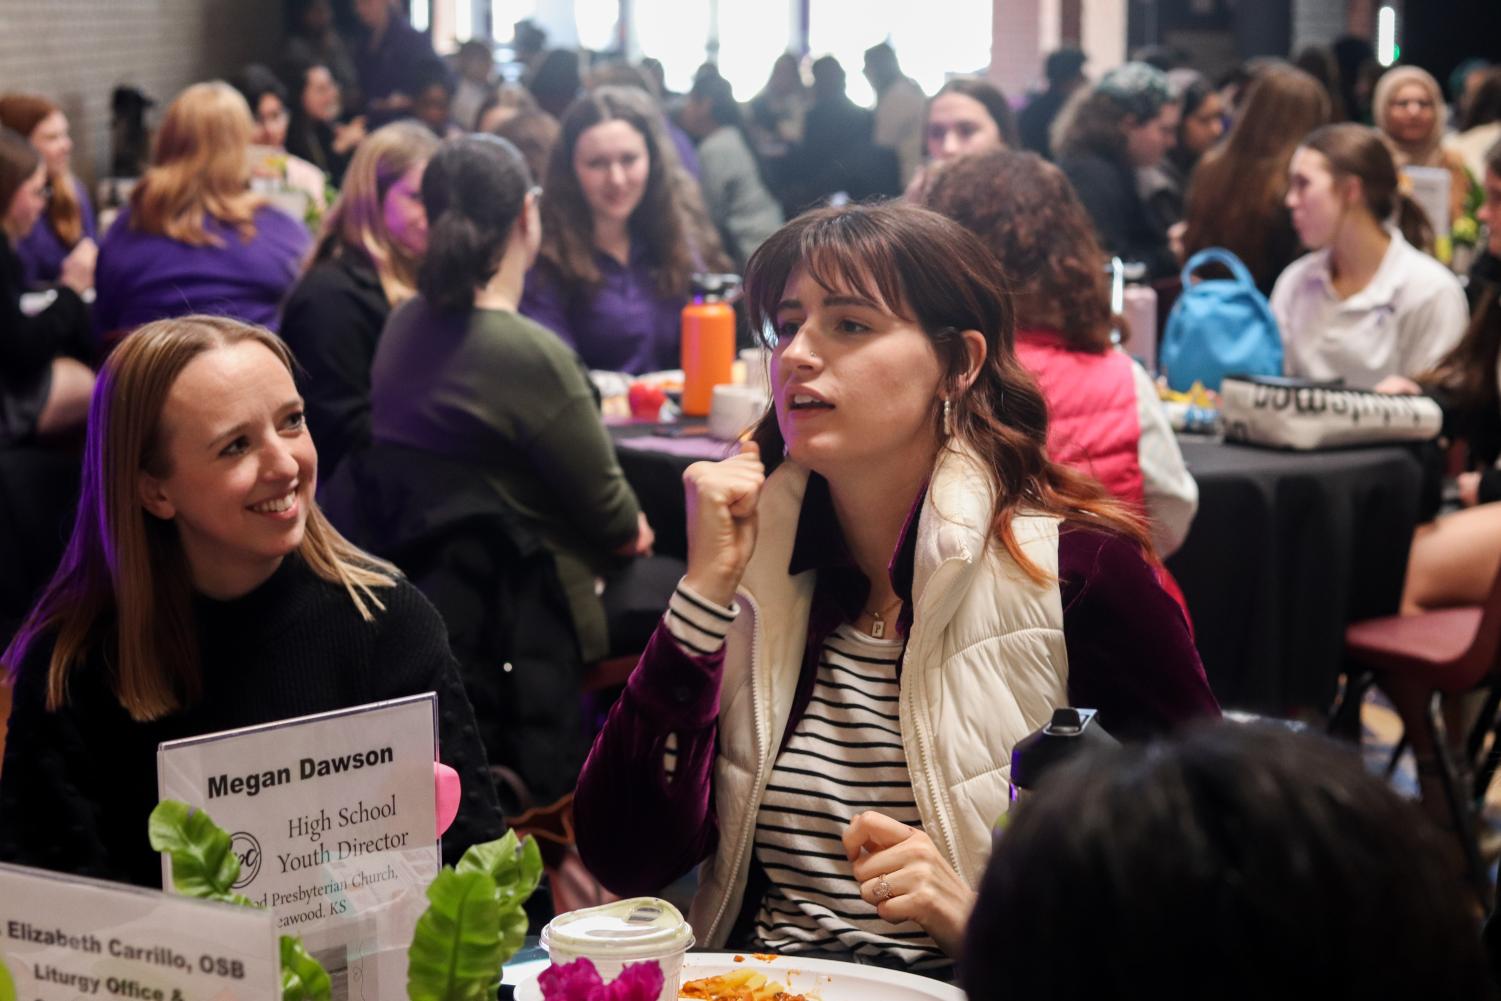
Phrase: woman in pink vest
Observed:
(1104, 415)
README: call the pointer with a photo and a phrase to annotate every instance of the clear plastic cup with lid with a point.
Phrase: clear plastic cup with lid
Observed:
(638, 930)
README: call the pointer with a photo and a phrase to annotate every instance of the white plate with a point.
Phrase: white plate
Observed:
(824, 979)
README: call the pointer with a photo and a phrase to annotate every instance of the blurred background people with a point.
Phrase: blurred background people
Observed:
(1065, 75)
(66, 228)
(899, 109)
(1409, 108)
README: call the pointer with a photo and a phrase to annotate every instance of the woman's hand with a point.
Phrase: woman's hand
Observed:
(1398, 385)
(901, 871)
(1469, 489)
(645, 539)
(721, 500)
(77, 270)
(349, 135)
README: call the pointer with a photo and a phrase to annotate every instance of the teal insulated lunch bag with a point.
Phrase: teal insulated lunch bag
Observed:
(1219, 327)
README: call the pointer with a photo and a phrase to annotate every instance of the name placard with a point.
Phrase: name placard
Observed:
(332, 818)
(64, 938)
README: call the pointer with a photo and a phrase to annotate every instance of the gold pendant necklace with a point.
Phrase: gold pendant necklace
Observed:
(878, 620)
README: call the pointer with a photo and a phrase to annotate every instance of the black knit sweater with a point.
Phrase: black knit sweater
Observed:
(78, 785)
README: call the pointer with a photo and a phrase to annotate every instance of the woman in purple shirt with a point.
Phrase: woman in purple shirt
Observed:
(194, 238)
(67, 227)
(623, 232)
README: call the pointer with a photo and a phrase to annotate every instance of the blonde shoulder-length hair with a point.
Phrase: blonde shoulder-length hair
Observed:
(200, 166)
(357, 220)
(123, 581)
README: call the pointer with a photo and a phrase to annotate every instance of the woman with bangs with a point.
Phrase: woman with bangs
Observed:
(194, 238)
(623, 231)
(826, 713)
(365, 265)
(62, 240)
(202, 590)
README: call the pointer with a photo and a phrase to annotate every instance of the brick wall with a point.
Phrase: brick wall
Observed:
(76, 51)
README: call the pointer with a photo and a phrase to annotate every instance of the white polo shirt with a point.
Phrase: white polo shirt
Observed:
(1406, 318)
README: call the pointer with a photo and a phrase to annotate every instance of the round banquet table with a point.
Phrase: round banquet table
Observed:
(1287, 549)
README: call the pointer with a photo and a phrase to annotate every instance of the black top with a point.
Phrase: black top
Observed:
(29, 343)
(78, 785)
(1036, 121)
(314, 142)
(1108, 190)
(332, 322)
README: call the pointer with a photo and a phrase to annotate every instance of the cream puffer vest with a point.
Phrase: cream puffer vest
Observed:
(985, 665)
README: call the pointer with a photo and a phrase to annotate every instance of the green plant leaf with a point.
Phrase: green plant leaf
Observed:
(456, 952)
(515, 866)
(202, 864)
(7, 985)
(303, 978)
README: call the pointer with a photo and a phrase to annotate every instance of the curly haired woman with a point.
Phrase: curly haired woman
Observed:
(1104, 416)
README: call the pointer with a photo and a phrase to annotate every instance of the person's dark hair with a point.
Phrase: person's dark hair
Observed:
(933, 272)
(1064, 66)
(256, 81)
(1026, 212)
(669, 222)
(828, 75)
(1319, 62)
(557, 81)
(1192, 89)
(534, 133)
(1093, 121)
(528, 38)
(18, 161)
(1484, 105)
(474, 189)
(723, 107)
(1238, 862)
(1235, 197)
(989, 95)
(1468, 372)
(1354, 57)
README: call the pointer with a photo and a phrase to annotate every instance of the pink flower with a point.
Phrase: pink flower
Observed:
(637, 982)
(580, 981)
(575, 981)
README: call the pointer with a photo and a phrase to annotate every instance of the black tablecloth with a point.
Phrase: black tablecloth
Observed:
(1287, 549)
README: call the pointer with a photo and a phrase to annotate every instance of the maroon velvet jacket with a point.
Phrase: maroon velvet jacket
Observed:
(1130, 654)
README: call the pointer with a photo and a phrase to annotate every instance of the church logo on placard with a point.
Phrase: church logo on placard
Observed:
(248, 850)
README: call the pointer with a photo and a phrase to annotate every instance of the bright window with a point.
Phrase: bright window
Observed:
(934, 39)
(751, 36)
(677, 33)
(597, 21)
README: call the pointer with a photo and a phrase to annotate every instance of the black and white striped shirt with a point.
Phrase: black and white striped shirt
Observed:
(845, 756)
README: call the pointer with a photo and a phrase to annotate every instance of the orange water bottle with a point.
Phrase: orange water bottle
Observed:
(708, 349)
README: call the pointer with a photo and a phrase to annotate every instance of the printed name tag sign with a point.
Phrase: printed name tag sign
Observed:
(332, 817)
(63, 938)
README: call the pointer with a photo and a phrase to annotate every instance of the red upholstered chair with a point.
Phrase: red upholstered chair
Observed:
(1418, 659)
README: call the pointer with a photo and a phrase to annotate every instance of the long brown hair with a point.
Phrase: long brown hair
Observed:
(1235, 196)
(1469, 370)
(670, 220)
(357, 221)
(24, 112)
(1027, 213)
(200, 167)
(929, 269)
(124, 582)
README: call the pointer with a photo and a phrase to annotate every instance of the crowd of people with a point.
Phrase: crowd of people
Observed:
(950, 520)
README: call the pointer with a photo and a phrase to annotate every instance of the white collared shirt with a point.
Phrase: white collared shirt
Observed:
(1410, 314)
